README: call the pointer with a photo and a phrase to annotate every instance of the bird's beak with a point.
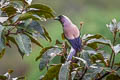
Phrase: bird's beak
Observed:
(56, 18)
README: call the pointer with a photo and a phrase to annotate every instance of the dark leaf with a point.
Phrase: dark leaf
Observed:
(52, 72)
(63, 36)
(3, 77)
(64, 70)
(10, 10)
(2, 53)
(113, 77)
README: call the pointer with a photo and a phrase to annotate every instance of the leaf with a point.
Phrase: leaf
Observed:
(3, 77)
(41, 7)
(24, 44)
(100, 41)
(73, 75)
(63, 36)
(42, 13)
(80, 59)
(2, 41)
(64, 70)
(10, 10)
(91, 36)
(26, 16)
(47, 34)
(29, 1)
(52, 72)
(113, 77)
(47, 57)
(98, 58)
(34, 40)
(41, 30)
(116, 49)
(2, 53)
(43, 51)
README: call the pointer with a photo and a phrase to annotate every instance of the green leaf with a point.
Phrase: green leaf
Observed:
(52, 72)
(43, 51)
(3, 77)
(42, 13)
(10, 10)
(41, 30)
(24, 44)
(26, 16)
(47, 56)
(2, 41)
(73, 75)
(91, 36)
(81, 59)
(47, 34)
(34, 40)
(98, 58)
(2, 53)
(116, 49)
(64, 70)
(100, 41)
(41, 7)
(113, 77)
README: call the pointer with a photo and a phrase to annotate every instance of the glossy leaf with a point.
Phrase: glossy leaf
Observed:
(24, 43)
(47, 56)
(26, 16)
(41, 7)
(52, 72)
(64, 70)
(91, 36)
(2, 53)
(100, 41)
(42, 13)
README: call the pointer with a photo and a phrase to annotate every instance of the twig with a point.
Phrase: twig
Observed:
(83, 73)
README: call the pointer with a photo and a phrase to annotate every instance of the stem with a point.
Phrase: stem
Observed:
(83, 73)
(107, 73)
(112, 50)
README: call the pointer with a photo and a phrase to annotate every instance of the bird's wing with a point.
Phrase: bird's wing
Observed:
(76, 43)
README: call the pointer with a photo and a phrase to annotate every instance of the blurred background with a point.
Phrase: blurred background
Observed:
(94, 13)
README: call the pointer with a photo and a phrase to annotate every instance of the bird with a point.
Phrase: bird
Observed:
(72, 34)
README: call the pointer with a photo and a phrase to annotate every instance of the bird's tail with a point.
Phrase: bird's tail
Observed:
(71, 54)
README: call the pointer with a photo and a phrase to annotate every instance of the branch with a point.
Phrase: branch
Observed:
(107, 73)
(83, 73)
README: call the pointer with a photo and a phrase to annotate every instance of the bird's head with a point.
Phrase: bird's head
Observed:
(63, 19)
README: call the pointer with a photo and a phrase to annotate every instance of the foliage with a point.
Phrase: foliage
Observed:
(93, 62)
(20, 25)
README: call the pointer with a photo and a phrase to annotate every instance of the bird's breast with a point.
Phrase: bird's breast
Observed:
(71, 32)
